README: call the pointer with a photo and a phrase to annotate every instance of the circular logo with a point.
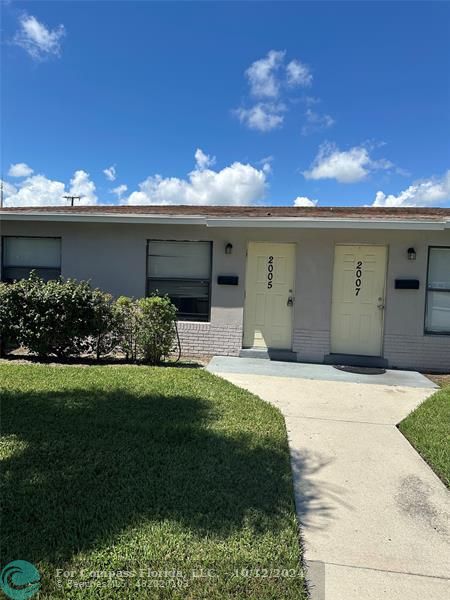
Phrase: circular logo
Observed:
(20, 580)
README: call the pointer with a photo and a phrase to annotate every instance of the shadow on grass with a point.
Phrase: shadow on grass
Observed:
(88, 464)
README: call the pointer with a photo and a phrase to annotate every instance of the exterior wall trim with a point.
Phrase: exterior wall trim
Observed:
(83, 218)
(318, 223)
(249, 222)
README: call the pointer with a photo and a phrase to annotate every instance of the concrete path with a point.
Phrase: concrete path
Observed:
(258, 366)
(374, 516)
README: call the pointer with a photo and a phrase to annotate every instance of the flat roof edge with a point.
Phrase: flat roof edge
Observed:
(249, 222)
(101, 218)
(330, 223)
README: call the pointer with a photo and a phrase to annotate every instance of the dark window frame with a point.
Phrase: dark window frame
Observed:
(30, 267)
(181, 317)
(428, 289)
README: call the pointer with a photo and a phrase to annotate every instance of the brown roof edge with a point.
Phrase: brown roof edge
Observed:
(339, 212)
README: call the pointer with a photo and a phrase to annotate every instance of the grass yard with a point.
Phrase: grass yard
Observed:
(107, 471)
(428, 430)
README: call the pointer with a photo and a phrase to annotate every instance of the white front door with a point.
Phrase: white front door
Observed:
(269, 295)
(357, 308)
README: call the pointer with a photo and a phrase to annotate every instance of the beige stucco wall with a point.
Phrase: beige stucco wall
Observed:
(113, 256)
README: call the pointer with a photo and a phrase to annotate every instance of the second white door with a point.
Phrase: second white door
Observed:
(357, 308)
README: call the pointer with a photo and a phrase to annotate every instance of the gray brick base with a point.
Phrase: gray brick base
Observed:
(404, 352)
(205, 338)
(429, 352)
(311, 346)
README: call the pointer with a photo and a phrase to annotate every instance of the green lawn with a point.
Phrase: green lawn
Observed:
(428, 430)
(122, 469)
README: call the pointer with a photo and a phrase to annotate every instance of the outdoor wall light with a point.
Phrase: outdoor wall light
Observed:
(411, 254)
(228, 248)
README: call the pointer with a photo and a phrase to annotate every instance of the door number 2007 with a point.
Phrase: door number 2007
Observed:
(269, 272)
(358, 278)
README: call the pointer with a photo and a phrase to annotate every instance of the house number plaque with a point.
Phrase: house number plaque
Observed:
(269, 272)
(358, 277)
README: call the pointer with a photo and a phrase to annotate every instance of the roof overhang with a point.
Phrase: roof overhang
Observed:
(102, 218)
(237, 222)
(329, 223)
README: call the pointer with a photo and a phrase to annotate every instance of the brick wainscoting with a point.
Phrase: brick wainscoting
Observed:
(428, 352)
(311, 346)
(206, 338)
(407, 352)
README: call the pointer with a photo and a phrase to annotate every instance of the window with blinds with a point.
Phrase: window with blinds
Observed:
(21, 255)
(183, 271)
(437, 319)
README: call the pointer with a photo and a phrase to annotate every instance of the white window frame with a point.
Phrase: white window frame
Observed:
(182, 316)
(4, 268)
(435, 290)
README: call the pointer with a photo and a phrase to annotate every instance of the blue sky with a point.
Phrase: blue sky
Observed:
(330, 102)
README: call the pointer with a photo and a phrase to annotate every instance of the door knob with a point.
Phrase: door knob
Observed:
(380, 306)
(290, 301)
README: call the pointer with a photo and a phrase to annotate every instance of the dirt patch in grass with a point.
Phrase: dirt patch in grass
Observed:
(21, 356)
(441, 380)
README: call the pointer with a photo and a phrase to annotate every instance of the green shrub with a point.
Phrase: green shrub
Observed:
(126, 324)
(67, 318)
(157, 328)
(104, 327)
(11, 312)
(145, 328)
(61, 317)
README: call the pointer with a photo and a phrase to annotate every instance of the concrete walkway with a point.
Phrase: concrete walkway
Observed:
(375, 518)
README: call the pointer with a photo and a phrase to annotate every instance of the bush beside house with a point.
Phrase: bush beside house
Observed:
(156, 331)
(68, 318)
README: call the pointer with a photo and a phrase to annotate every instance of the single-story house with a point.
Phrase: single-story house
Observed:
(337, 285)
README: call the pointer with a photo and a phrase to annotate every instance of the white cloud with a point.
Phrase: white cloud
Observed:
(237, 184)
(82, 185)
(203, 160)
(305, 201)
(270, 79)
(262, 75)
(262, 116)
(316, 122)
(38, 190)
(110, 173)
(425, 192)
(39, 41)
(348, 166)
(20, 170)
(119, 190)
(298, 73)
(266, 163)
(311, 100)
(402, 172)
(8, 188)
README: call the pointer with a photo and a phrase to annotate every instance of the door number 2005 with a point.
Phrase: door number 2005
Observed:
(269, 272)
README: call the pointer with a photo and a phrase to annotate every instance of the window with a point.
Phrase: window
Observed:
(183, 271)
(21, 255)
(437, 318)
